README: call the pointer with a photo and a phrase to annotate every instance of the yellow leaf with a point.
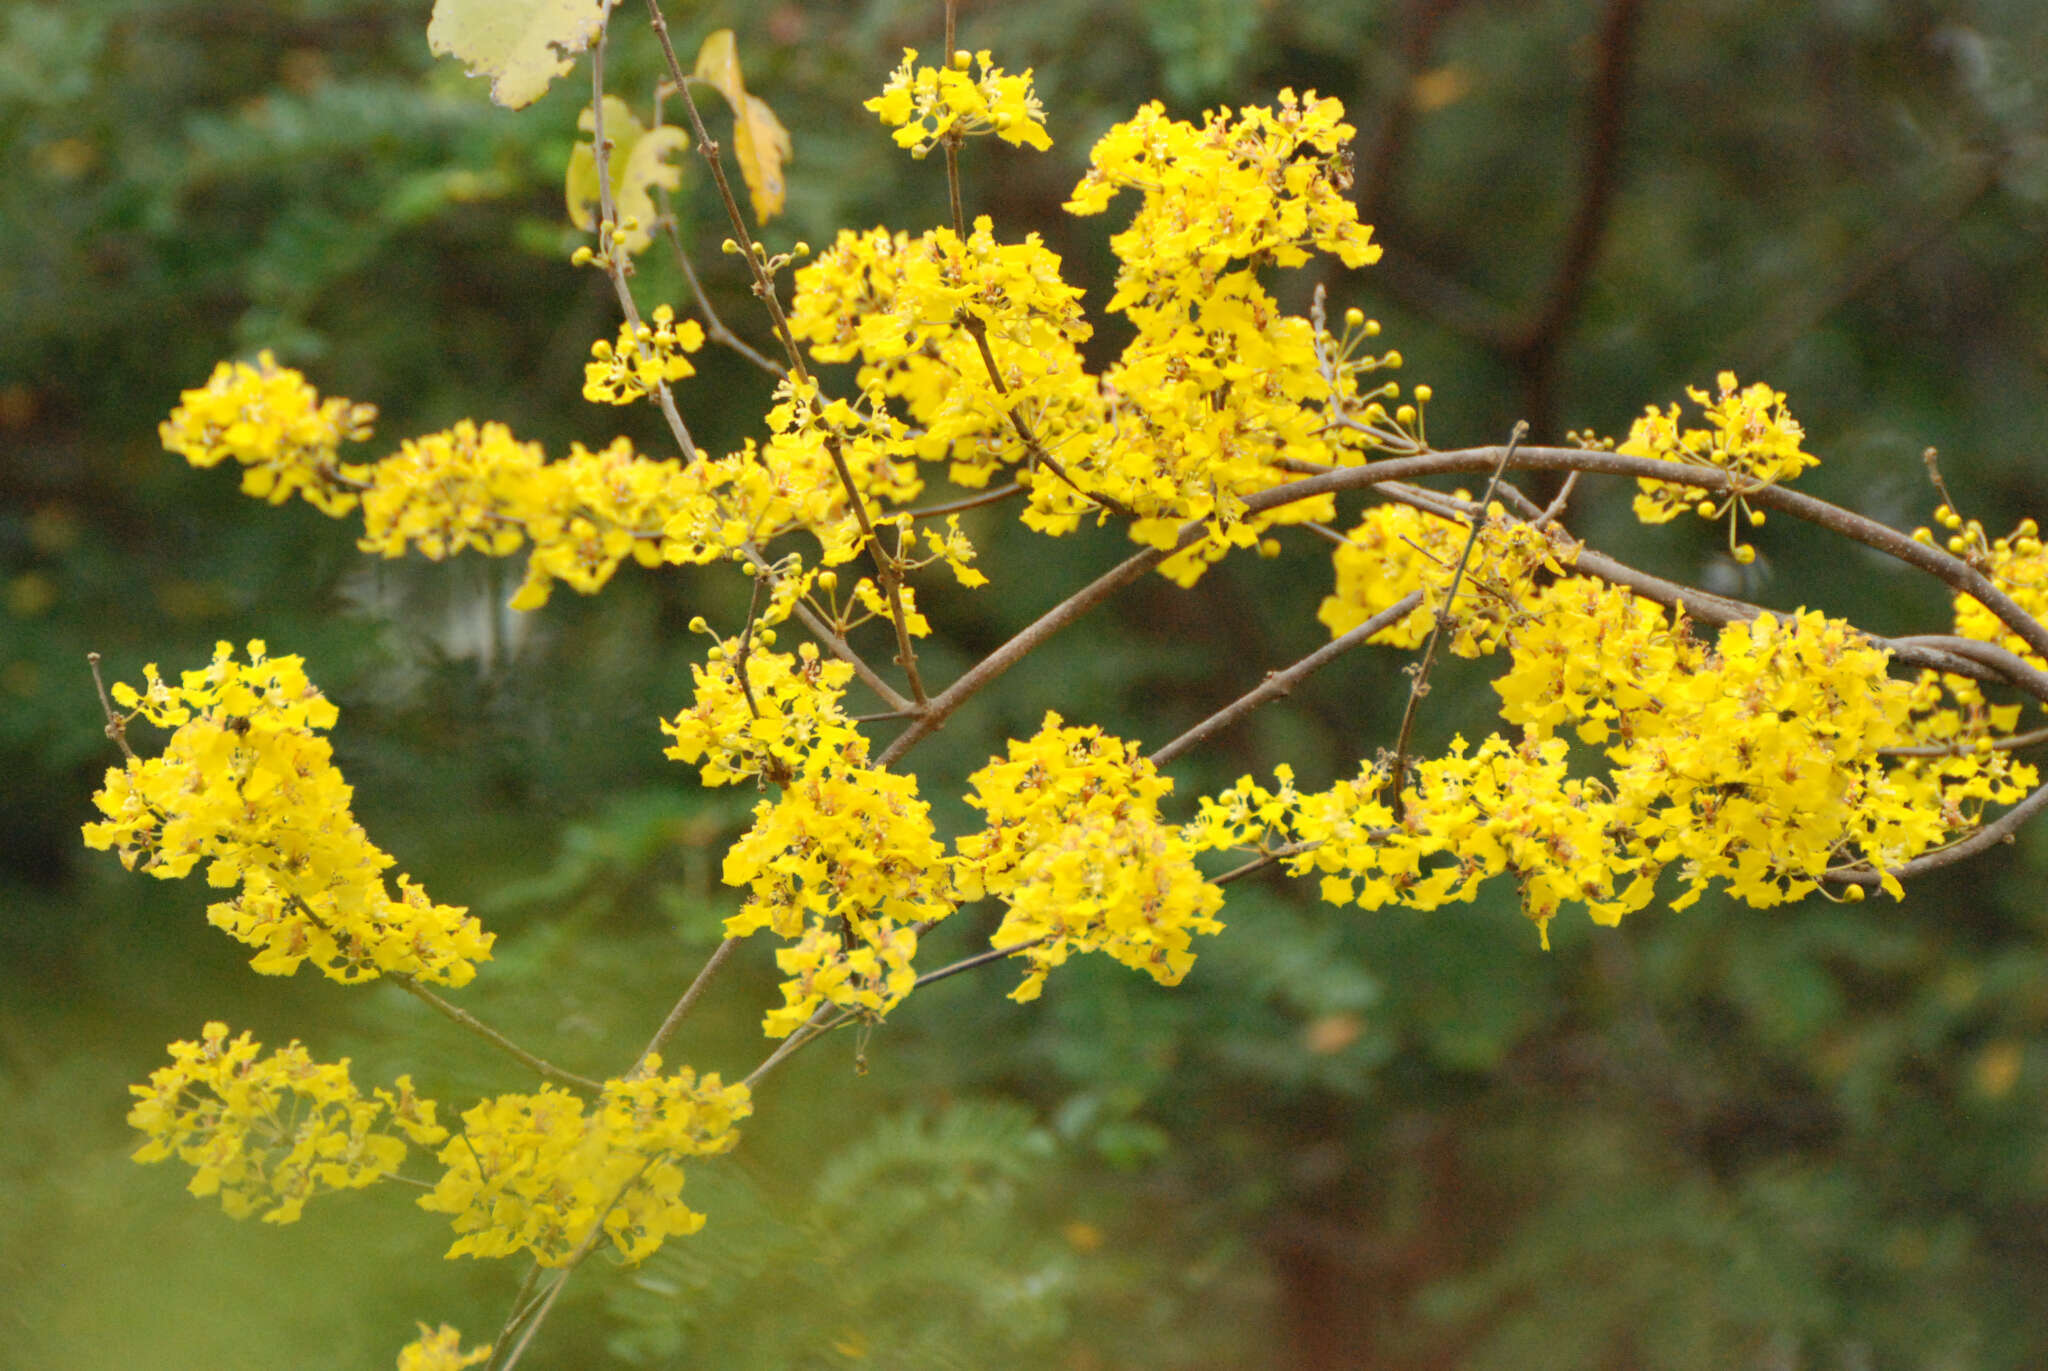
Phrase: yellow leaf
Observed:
(759, 141)
(637, 162)
(520, 44)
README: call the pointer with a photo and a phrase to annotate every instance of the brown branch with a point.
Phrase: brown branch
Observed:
(1419, 686)
(1956, 658)
(117, 726)
(464, 1019)
(683, 1006)
(984, 673)
(1279, 683)
(1952, 571)
(993, 496)
(1997, 831)
(707, 148)
(611, 253)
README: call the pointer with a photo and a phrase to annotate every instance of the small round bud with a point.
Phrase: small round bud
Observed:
(1705, 509)
(962, 59)
(698, 625)
(1405, 415)
(766, 637)
(750, 569)
(728, 246)
(1922, 535)
(1744, 553)
(1957, 544)
(1854, 894)
(1354, 317)
(1392, 359)
(1372, 328)
(582, 257)
(1269, 548)
(1424, 394)
(1756, 516)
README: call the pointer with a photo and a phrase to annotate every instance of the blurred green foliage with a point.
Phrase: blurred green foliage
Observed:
(1813, 1137)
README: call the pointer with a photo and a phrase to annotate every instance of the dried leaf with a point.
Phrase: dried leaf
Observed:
(638, 164)
(760, 142)
(521, 45)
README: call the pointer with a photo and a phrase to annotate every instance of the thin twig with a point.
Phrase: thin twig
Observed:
(952, 141)
(992, 496)
(1998, 830)
(117, 726)
(988, 669)
(714, 326)
(888, 569)
(2012, 743)
(1950, 570)
(813, 1027)
(994, 954)
(1279, 683)
(612, 252)
(462, 1017)
(683, 1006)
(583, 1250)
(1419, 686)
(743, 239)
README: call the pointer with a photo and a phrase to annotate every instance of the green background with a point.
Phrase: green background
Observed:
(1812, 1137)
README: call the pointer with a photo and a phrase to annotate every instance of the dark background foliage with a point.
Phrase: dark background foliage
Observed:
(1810, 1137)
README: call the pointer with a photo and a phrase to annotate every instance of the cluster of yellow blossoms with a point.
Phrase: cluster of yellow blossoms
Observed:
(926, 105)
(980, 341)
(844, 863)
(1749, 435)
(1761, 761)
(545, 1174)
(1398, 549)
(440, 1349)
(643, 360)
(269, 1133)
(2016, 564)
(1076, 849)
(248, 785)
(1776, 756)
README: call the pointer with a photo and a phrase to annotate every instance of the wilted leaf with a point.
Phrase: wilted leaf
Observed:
(638, 163)
(759, 142)
(520, 44)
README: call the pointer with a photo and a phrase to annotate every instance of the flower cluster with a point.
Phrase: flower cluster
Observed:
(440, 1349)
(926, 105)
(1397, 549)
(248, 786)
(845, 865)
(643, 360)
(1761, 762)
(759, 713)
(544, 1174)
(916, 314)
(269, 1133)
(278, 428)
(1076, 849)
(1749, 435)
(2016, 564)
(478, 487)
(1220, 384)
